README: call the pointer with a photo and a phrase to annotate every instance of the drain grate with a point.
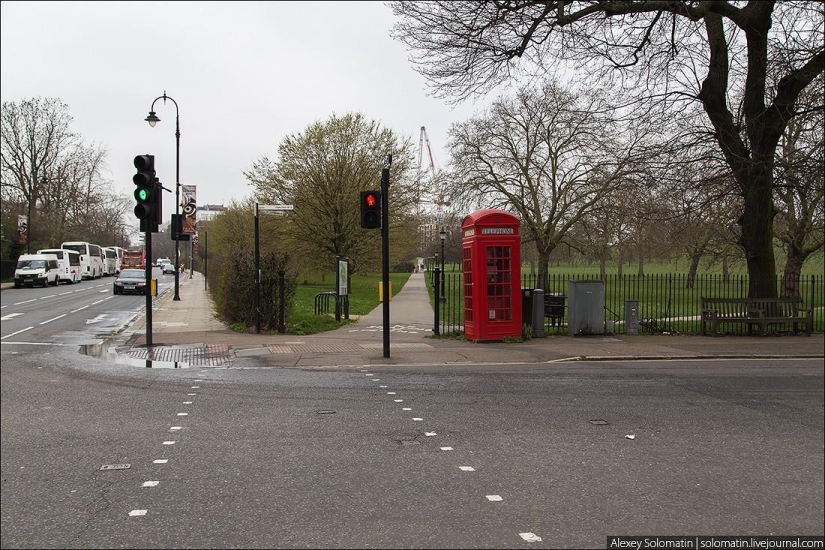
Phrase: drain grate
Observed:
(212, 355)
(115, 466)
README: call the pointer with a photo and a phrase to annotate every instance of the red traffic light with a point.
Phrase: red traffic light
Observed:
(371, 209)
(370, 199)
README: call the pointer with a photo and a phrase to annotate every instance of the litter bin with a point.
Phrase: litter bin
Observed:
(554, 307)
(526, 306)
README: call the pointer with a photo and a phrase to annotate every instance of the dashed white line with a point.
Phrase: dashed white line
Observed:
(417, 419)
(78, 309)
(398, 400)
(530, 537)
(26, 302)
(406, 408)
(10, 316)
(138, 513)
(151, 483)
(466, 468)
(176, 428)
(446, 448)
(55, 319)
(494, 498)
(168, 442)
(430, 434)
(183, 414)
(390, 393)
(161, 461)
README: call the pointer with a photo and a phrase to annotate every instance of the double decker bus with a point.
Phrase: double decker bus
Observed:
(91, 258)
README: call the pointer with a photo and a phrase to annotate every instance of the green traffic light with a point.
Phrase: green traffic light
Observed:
(143, 194)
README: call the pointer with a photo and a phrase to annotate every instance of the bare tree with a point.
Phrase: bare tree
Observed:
(799, 194)
(674, 51)
(550, 155)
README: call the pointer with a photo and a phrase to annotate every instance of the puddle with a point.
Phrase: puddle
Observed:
(102, 350)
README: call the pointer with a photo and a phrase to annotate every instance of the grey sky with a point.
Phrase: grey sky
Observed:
(244, 74)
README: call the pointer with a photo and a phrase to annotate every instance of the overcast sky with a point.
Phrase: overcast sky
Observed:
(244, 75)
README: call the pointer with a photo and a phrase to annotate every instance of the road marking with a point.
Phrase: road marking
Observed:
(95, 303)
(382, 386)
(55, 319)
(390, 393)
(494, 498)
(466, 468)
(78, 309)
(168, 442)
(103, 291)
(176, 428)
(530, 537)
(26, 302)
(161, 461)
(183, 414)
(137, 513)
(187, 402)
(18, 332)
(398, 400)
(446, 448)
(10, 316)
(191, 394)
(195, 387)
(376, 379)
(406, 408)
(151, 483)
(417, 419)
(97, 319)
(64, 293)
(430, 434)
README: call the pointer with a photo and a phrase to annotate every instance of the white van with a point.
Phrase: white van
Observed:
(36, 269)
(69, 263)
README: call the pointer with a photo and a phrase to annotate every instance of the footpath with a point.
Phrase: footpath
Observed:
(187, 331)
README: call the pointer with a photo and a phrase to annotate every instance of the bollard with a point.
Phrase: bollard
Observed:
(538, 313)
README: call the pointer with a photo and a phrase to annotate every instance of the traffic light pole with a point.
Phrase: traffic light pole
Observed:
(148, 275)
(385, 251)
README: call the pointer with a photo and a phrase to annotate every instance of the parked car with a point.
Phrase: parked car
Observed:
(36, 269)
(130, 281)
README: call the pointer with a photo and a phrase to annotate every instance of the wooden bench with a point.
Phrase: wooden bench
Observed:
(754, 311)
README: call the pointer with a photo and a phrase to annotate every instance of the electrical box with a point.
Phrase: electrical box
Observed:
(631, 316)
(585, 311)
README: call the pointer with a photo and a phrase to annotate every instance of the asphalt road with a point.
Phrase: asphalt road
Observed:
(263, 458)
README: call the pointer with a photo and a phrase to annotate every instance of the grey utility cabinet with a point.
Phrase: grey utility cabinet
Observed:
(585, 312)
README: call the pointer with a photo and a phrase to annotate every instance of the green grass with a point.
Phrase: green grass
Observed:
(363, 298)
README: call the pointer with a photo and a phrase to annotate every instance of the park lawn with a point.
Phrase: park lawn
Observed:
(363, 298)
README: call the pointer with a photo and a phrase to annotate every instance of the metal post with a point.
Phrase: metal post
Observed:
(443, 274)
(437, 278)
(205, 258)
(29, 219)
(281, 301)
(148, 274)
(257, 277)
(177, 199)
(385, 251)
(191, 255)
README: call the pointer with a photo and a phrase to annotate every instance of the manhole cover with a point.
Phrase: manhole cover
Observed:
(599, 422)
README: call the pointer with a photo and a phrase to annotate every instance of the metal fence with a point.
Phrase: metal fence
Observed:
(667, 303)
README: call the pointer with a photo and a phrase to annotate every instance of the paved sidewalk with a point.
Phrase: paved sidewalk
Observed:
(187, 331)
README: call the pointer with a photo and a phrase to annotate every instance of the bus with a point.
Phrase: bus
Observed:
(68, 261)
(119, 251)
(91, 258)
(110, 261)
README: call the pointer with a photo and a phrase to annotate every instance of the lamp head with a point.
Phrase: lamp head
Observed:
(152, 119)
(442, 234)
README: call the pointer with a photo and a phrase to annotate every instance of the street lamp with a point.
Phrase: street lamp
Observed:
(152, 119)
(443, 235)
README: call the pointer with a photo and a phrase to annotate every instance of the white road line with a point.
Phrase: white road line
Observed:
(187, 402)
(446, 448)
(183, 414)
(18, 332)
(168, 442)
(494, 498)
(176, 428)
(390, 393)
(430, 434)
(406, 408)
(47, 297)
(151, 483)
(10, 316)
(102, 291)
(137, 513)
(530, 537)
(26, 302)
(161, 461)
(78, 309)
(398, 400)
(64, 293)
(95, 303)
(466, 468)
(55, 319)
(417, 419)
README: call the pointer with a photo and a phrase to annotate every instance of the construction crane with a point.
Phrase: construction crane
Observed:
(441, 191)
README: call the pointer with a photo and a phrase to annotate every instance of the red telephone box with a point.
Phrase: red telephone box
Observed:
(491, 265)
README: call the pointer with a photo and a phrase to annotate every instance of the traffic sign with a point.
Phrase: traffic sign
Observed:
(275, 207)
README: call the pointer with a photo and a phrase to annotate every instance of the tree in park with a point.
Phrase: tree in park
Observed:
(321, 172)
(664, 54)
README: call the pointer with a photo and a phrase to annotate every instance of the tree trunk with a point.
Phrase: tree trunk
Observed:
(694, 267)
(541, 281)
(757, 235)
(792, 273)
(641, 266)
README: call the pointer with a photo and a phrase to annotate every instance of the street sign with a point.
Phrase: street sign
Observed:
(275, 207)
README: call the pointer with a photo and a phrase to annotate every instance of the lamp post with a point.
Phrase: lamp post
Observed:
(443, 235)
(152, 119)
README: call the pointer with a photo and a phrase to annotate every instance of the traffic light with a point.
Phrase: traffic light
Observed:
(146, 191)
(371, 209)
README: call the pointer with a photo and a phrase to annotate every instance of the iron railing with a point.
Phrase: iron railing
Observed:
(667, 303)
